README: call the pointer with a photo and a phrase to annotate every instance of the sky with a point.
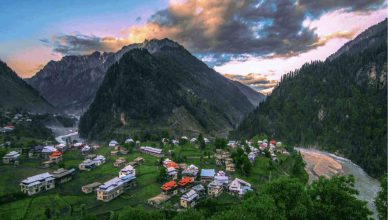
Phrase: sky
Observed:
(252, 41)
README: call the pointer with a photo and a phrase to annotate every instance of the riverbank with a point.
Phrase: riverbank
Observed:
(321, 163)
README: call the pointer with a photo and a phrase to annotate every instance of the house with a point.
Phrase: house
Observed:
(56, 156)
(239, 187)
(199, 189)
(47, 164)
(47, 151)
(222, 178)
(207, 175)
(232, 144)
(182, 166)
(185, 182)
(99, 160)
(119, 162)
(159, 199)
(230, 167)
(170, 188)
(129, 140)
(87, 165)
(165, 141)
(191, 172)
(127, 170)
(38, 183)
(61, 147)
(172, 173)
(123, 150)
(11, 158)
(193, 140)
(152, 151)
(189, 199)
(252, 157)
(114, 152)
(90, 187)
(114, 187)
(113, 143)
(62, 175)
(167, 163)
(78, 145)
(86, 149)
(214, 188)
(138, 160)
(90, 156)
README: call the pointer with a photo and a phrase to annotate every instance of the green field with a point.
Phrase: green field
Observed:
(68, 202)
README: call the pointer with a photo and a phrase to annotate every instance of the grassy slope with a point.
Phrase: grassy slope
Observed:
(61, 199)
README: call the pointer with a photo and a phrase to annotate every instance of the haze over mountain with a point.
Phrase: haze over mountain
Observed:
(164, 87)
(339, 104)
(15, 93)
(71, 83)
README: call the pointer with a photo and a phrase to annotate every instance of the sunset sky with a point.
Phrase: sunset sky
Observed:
(251, 41)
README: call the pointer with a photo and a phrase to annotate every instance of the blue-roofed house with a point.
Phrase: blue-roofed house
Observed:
(207, 175)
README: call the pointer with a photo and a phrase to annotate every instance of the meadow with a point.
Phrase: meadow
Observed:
(67, 201)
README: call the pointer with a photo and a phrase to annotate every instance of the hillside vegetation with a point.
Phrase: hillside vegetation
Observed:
(338, 105)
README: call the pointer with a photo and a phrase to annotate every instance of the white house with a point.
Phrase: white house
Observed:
(151, 150)
(222, 178)
(38, 183)
(127, 170)
(114, 187)
(251, 156)
(86, 149)
(172, 173)
(191, 171)
(113, 143)
(129, 140)
(99, 160)
(214, 188)
(87, 165)
(189, 199)
(239, 187)
(11, 158)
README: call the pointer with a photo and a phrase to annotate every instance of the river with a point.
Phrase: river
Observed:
(327, 164)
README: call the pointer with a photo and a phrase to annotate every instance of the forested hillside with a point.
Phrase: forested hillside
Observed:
(167, 91)
(15, 93)
(339, 105)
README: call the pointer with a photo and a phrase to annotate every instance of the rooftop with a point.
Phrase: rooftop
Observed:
(208, 172)
(169, 185)
(39, 177)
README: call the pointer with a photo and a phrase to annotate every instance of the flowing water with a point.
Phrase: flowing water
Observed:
(367, 186)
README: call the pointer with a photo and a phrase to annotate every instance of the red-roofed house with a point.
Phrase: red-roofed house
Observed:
(185, 181)
(170, 188)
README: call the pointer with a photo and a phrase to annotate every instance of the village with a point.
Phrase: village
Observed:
(183, 182)
(174, 173)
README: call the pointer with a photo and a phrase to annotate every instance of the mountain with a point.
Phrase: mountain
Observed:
(254, 97)
(339, 105)
(371, 37)
(71, 83)
(163, 88)
(15, 93)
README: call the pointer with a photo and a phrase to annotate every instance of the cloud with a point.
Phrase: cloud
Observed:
(257, 81)
(228, 28)
(83, 44)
